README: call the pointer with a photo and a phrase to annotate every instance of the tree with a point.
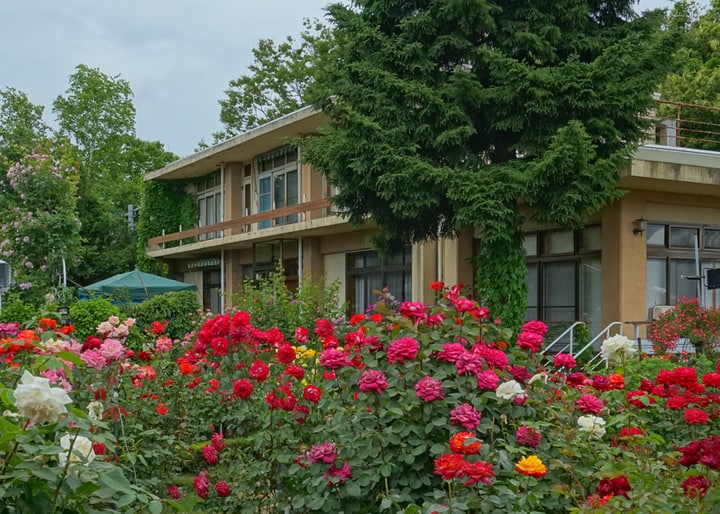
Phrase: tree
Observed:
(40, 235)
(278, 78)
(696, 79)
(22, 128)
(485, 109)
(97, 114)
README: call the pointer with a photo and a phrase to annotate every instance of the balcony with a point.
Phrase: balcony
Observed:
(287, 219)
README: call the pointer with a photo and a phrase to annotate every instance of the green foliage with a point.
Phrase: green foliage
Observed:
(503, 261)
(180, 309)
(696, 77)
(277, 80)
(97, 114)
(50, 465)
(483, 110)
(88, 314)
(22, 129)
(14, 309)
(272, 304)
(40, 235)
(166, 205)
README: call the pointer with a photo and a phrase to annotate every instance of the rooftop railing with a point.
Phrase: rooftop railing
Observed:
(685, 125)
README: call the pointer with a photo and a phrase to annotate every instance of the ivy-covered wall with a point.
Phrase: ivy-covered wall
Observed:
(165, 205)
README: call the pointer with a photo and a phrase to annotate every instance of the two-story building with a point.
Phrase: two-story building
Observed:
(258, 205)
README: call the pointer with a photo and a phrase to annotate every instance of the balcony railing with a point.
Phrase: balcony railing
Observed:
(686, 125)
(277, 217)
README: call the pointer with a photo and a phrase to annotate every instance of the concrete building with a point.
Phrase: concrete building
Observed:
(259, 205)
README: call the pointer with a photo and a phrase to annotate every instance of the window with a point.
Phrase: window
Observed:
(367, 274)
(564, 276)
(672, 268)
(209, 203)
(278, 184)
(211, 290)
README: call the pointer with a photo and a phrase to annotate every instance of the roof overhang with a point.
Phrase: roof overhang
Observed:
(244, 147)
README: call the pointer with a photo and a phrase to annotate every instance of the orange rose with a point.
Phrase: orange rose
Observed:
(531, 466)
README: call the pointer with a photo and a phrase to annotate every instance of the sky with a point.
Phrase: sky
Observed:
(177, 55)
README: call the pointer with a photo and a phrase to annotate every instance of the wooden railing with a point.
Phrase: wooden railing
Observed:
(242, 224)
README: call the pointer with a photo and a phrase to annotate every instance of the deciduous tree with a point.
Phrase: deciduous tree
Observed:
(277, 80)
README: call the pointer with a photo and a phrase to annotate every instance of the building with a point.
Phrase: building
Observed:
(259, 206)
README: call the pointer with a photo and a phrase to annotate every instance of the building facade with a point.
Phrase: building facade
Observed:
(260, 206)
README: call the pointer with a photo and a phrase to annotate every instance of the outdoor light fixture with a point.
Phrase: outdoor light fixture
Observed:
(64, 315)
(639, 226)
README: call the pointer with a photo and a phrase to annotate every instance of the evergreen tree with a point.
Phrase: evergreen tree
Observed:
(448, 114)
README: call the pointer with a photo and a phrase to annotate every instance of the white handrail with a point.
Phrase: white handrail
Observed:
(568, 331)
(604, 334)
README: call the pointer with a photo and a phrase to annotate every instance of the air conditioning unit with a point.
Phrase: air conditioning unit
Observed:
(658, 310)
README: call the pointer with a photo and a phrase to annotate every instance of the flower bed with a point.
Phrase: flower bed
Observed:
(412, 408)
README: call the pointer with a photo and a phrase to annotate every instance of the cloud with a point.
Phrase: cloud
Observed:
(177, 55)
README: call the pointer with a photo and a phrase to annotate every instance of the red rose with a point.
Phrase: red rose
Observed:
(449, 466)
(286, 354)
(312, 393)
(222, 488)
(259, 371)
(243, 388)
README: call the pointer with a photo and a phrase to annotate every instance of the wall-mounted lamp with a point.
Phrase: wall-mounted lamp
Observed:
(639, 226)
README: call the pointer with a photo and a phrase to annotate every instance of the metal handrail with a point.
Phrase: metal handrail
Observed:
(685, 125)
(568, 331)
(605, 333)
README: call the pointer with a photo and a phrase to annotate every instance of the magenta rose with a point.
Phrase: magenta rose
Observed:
(402, 349)
(372, 381)
(429, 389)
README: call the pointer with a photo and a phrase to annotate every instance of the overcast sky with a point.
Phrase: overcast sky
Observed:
(177, 55)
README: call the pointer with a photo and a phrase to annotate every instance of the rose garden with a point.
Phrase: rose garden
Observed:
(407, 408)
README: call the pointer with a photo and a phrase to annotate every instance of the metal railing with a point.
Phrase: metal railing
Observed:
(569, 332)
(604, 334)
(685, 125)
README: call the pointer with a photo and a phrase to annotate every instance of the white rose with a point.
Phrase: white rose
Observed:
(593, 425)
(36, 400)
(95, 410)
(615, 347)
(509, 390)
(538, 377)
(82, 449)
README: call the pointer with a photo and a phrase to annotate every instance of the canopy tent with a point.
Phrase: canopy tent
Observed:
(139, 286)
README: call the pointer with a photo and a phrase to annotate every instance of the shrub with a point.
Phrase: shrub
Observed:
(14, 309)
(271, 304)
(179, 308)
(88, 314)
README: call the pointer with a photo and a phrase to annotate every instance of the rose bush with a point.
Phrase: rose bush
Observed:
(409, 408)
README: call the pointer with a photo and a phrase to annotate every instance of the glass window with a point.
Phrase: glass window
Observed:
(656, 283)
(530, 244)
(368, 275)
(655, 234)
(559, 242)
(279, 185)
(683, 237)
(591, 293)
(559, 291)
(532, 282)
(209, 204)
(680, 285)
(562, 290)
(711, 238)
(591, 239)
(672, 269)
